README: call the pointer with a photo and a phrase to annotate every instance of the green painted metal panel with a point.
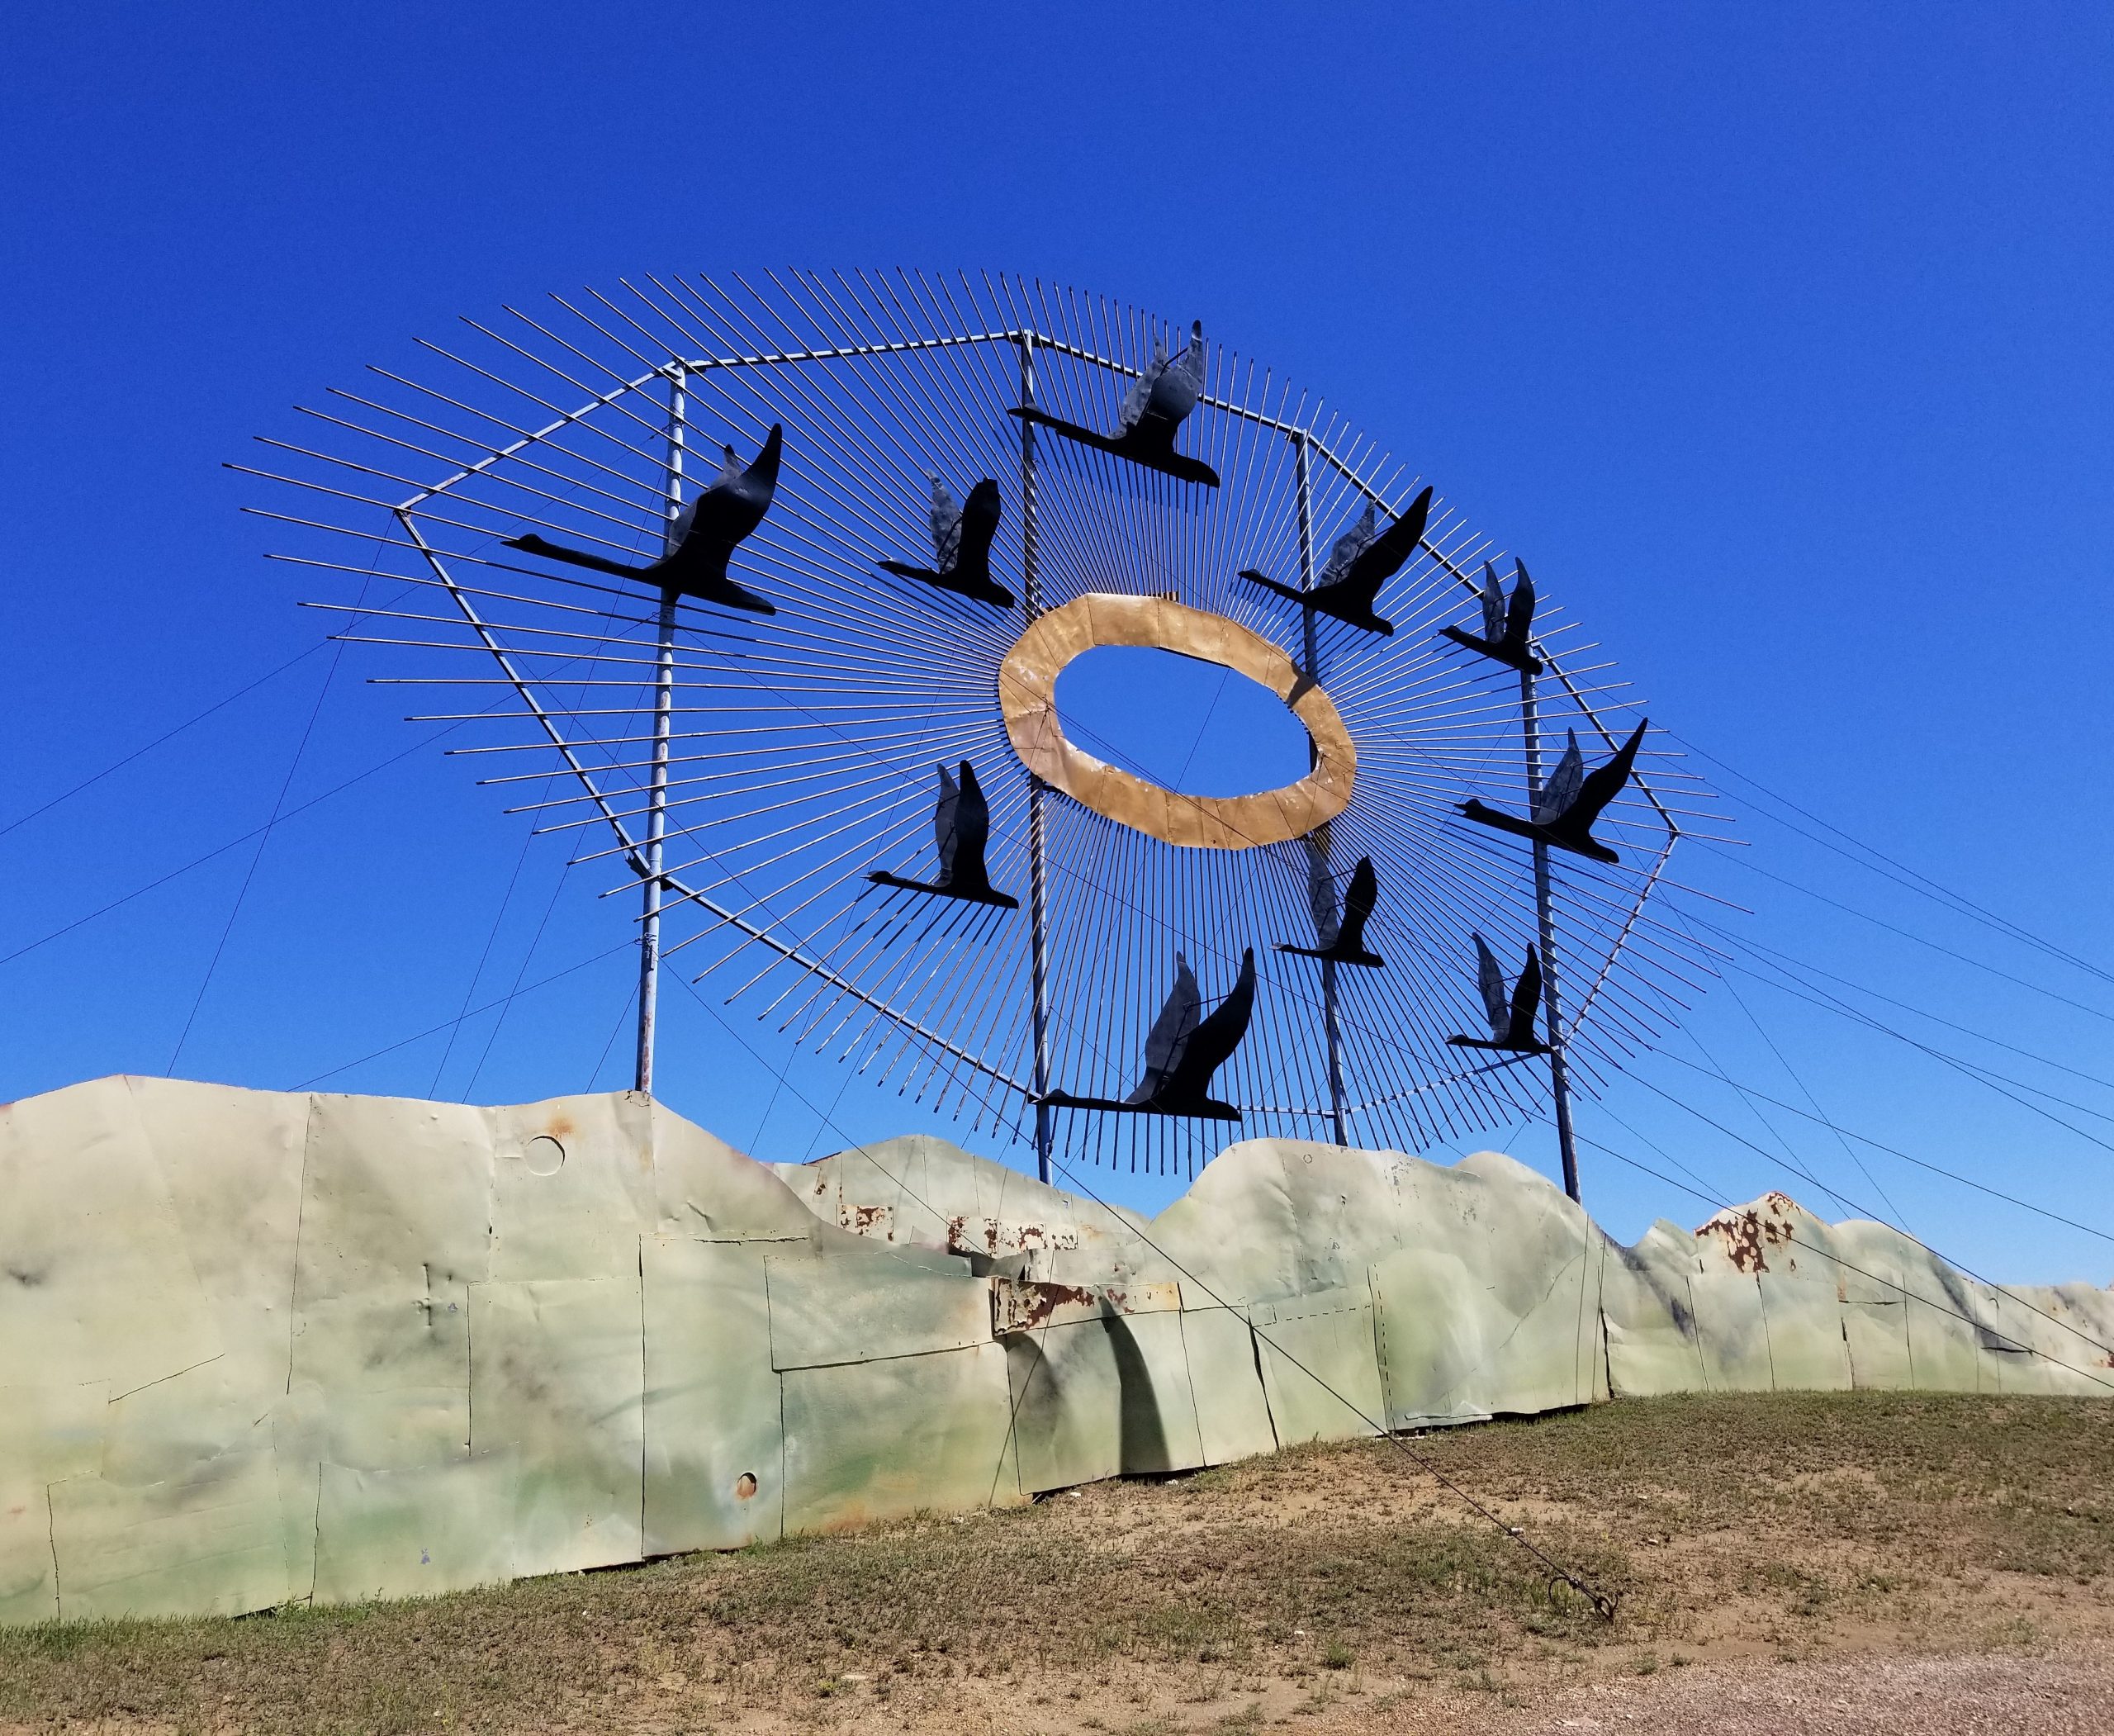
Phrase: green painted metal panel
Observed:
(207, 1545)
(416, 1532)
(1233, 1416)
(46, 1433)
(573, 1187)
(1068, 1399)
(868, 1305)
(103, 1287)
(1321, 1365)
(557, 1372)
(395, 1228)
(931, 1433)
(714, 1446)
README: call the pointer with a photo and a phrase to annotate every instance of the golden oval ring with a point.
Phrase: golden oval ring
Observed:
(1027, 698)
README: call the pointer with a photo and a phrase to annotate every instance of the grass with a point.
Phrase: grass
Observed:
(1784, 1523)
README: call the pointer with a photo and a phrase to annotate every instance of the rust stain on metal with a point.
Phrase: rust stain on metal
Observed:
(997, 1235)
(1747, 1235)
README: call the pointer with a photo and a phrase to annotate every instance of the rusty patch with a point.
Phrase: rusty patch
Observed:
(1748, 1235)
(993, 1236)
(869, 1221)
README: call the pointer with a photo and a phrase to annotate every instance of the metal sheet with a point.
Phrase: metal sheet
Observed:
(96, 1282)
(573, 1187)
(865, 1306)
(1321, 1365)
(46, 1433)
(705, 1189)
(395, 1228)
(1233, 1416)
(558, 1373)
(207, 1545)
(416, 1532)
(931, 1433)
(714, 1446)
(1068, 1399)
(1646, 1308)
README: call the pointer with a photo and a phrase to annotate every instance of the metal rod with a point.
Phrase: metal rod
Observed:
(1038, 895)
(1545, 925)
(663, 700)
(1317, 885)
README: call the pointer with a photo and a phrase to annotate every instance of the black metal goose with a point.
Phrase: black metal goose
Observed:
(1364, 558)
(1342, 941)
(961, 826)
(1570, 801)
(961, 545)
(1182, 1051)
(1511, 1016)
(707, 533)
(1507, 627)
(1158, 402)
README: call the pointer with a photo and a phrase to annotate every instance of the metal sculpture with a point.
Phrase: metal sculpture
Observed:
(1508, 626)
(1342, 937)
(764, 783)
(1182, 1051)
(961, 828)
(1512, 1011)
(1362, 560)
(705, 535)
(1565, 807)
(962, 544)
(1158, 402)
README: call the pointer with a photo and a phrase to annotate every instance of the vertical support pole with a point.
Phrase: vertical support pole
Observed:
(656, 799)
(1037, 863)
(1545, 922)
(1319, 888)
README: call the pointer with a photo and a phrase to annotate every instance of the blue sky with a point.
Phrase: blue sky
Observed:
(1778, 337)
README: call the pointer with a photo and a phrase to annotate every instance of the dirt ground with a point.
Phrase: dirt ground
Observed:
(1851, 1563)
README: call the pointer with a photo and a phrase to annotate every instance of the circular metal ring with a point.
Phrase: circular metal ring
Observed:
(1027, 697)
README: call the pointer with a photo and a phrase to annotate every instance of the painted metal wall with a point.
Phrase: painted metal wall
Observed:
(257, 1347)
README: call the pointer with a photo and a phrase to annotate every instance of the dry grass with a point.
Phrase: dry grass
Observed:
(1325, 1585)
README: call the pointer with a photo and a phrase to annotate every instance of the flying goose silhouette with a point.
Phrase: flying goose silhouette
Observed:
(1511, 1018)
(1571, 799)
(707, 531)
(1182, 1051)
(1506, 626)
(961, 826)
(1364, 559)
(1342, 942)
(1158, 402)
(962, 544)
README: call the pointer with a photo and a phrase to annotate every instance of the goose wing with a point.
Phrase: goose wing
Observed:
(1603, 783)
(1212, 1044)
(971, 823)
(735, 504)
(1346, 549)
(1141, 388)
(946, 526)
(1492, 597)
(945, 817)
(1385, 554)
(1490, 982)
(1559, 789)
(1321, 901)
(1526, 996)
(1170, 1033)
(1518, 621)
(1360, 896)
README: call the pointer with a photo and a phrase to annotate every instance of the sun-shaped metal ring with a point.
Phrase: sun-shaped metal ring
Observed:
(1027, 697)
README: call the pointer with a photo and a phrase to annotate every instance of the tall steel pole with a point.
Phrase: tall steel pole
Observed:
(1545, 920)
(656, 787)
(1038, 902)
(1318, 881)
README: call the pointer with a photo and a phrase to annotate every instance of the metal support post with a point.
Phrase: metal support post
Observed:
(1319, 886)
(656, 787)
(1037, 865)
(1545, 920)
